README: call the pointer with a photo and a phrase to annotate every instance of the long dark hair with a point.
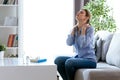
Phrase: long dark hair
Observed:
(87, 15)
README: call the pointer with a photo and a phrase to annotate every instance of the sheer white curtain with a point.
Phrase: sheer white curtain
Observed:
(46, 26)
(116, 11)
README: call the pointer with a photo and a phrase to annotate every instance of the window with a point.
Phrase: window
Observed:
(116, 11)
(46, 26)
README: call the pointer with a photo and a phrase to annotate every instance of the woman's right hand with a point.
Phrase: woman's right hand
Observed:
(73, 30)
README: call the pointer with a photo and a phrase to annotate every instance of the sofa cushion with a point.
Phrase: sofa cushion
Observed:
(106, 39)
(102, 40)
(97, 46)
(113, 54)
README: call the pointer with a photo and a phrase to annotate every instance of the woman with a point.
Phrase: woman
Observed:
(81, 38)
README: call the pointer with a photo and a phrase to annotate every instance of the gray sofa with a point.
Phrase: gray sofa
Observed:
(107, 50)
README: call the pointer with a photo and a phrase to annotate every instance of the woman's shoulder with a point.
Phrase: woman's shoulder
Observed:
(91, 27)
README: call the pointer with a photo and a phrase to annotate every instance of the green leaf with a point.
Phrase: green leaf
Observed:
(101, 18)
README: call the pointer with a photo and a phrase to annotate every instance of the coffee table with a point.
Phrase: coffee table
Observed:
(16, 69)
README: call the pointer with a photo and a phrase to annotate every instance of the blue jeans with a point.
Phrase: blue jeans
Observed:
(67, 66)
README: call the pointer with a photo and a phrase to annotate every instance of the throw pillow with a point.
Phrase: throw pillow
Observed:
(97, 46)
(113, 54)
(106, 39)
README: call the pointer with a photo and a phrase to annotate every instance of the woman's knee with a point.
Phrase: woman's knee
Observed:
(60, 59)
(69, 63)
(57, 60)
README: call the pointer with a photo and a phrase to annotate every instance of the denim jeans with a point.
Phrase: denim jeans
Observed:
(67, 66)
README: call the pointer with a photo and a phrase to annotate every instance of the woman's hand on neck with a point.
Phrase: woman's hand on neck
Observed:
(82, 26)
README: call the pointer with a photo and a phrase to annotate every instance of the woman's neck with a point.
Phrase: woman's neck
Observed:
(80, 24)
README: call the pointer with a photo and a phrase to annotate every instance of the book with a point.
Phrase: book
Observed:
(10, 1)
(16, 1)
(41, 60)
(10, 40)
(5, 1)
(15, 41)
(36, 60)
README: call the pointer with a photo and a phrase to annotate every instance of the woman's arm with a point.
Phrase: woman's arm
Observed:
(86, 39)
(71, 37)
(70, 40)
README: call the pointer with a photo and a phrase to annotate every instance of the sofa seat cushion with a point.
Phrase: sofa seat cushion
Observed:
(104, 65)
(97, 74)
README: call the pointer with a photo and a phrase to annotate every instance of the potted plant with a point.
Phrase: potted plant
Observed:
(2, 50)
(102, 18)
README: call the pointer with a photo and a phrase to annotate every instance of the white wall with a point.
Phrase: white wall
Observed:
(46, 26)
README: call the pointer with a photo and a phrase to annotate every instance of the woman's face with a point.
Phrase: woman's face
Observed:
(81, 15)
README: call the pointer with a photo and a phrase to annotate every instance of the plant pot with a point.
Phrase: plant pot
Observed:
(1, 54)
